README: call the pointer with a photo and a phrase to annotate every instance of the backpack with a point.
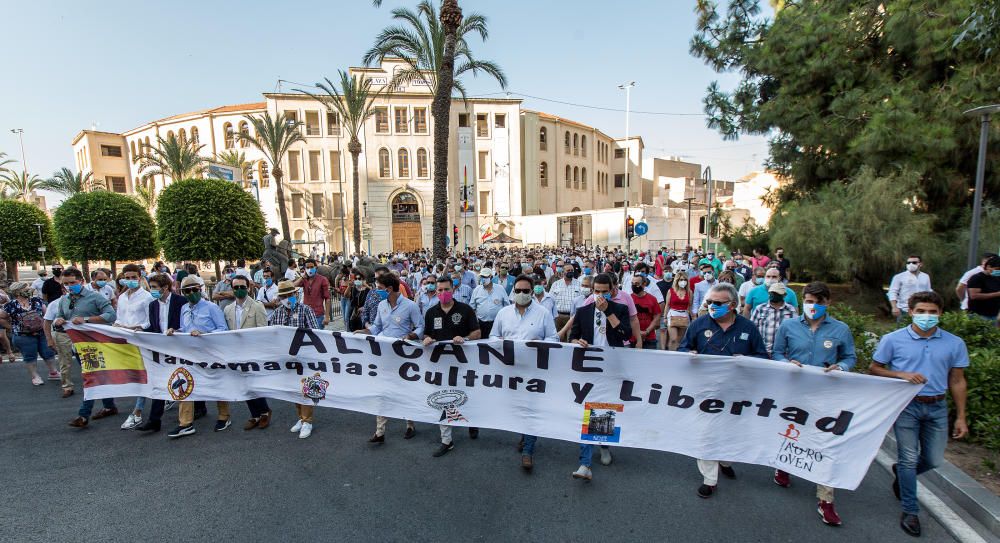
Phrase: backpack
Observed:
(31, 322)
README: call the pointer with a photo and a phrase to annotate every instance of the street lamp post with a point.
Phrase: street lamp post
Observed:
(20, 141)
(41, 246)
(983, 112)
(255, 185)
(689, 200)
(627, 87)
(709, 188)
(365, 205)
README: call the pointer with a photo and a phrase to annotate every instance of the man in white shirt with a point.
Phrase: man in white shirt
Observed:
(528, 321)
(487, 300)
(963, 284)
(906, 284)
(133, 313)
(267, 294)
(564, 292)
(241, 269)
(99, 283)
(36, 285)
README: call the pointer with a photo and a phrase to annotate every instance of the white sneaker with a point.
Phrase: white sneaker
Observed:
(307, 430)
(583, 472)
(132, 421)
(606, 456)
(297, 427)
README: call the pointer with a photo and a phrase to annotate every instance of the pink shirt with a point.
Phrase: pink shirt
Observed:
(759, 262)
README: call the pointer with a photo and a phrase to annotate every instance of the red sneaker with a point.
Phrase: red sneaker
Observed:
(829, 514)
(782, 479)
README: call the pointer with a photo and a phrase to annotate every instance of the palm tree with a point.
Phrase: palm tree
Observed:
(274, 137)
(20, 185)
(354, 104)
(432, 44)
(236, 159)
(173, 158)
(66, 182)
(4, 161)
(145, 194)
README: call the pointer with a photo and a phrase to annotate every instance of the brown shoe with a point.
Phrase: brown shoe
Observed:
(106, 412)
(251, 424)
(78, 422)
(265, 420)
(526, 463)
(67, 392)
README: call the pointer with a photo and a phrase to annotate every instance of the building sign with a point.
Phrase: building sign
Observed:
(221, 171)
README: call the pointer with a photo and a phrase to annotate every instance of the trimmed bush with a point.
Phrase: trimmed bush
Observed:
(209, 220)
(19, 235)
(103, 225)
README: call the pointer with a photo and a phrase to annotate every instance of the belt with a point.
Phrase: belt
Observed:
(929, 399)
(564, 312)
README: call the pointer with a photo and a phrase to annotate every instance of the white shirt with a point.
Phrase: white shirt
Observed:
(488, 303)
(291, 274)
(965, 281)
(563, 295)
(244, 272)
(239, 310)
(745, 288)
(37, 285)
(52, 309)
(536, 324)
(164, 307)
(904, 284)
(600, 328)
(267, 295)
(133, 310)
(107, 290)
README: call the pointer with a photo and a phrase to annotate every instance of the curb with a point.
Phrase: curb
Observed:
(981, 504)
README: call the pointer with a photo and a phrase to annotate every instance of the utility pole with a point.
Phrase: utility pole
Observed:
(710, 188)
(688, 200)
(627, 87)
(20, 141)
(984, 113)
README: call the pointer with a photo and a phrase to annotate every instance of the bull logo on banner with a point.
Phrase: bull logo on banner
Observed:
(448, 401)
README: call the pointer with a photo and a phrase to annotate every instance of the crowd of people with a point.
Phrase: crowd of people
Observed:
(687, 300)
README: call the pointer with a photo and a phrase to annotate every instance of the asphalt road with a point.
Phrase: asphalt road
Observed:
(105, 484)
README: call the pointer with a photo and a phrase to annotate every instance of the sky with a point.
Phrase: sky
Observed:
(116, 65)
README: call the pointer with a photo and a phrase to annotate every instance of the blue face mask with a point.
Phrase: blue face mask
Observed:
(430, 287)
(926, 322)
(75, 289)
(586, 271)
(230, 275)
(290, 302)
(758, 280)
(311, 271)
(382, 294)
(455, 282)
(718, 311)
(995, 273)
(539, 290)
(606, 296)
(155, 294)
(101, 284)
(132, 283)
(484, 281)
(268, 282)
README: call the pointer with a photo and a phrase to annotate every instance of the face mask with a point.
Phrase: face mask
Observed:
(458, 268)
(570, 274)
(455, 282)
(56, 272)
(718, 311)
(101, 284)
(503, 273)
(522, 298)
(682, 284)
(637, 289)
(606, 296)
(668, 276)
(813, 311)
(268, 282)
(193, 297)
(382, 294)
(995, 273)
(311, 271)
(156, 294)
(911, 267)
(230, 275)
(429, 287)
(758, 280)
(358, 282)
(132, 283)
(925, 322)
(539, 290)
(710, 256)
(143, 273)
(240, 292)
(586, 291)
(446, 297)
(769, 282)
(708, 276)
(289, 302)
(75, 289)
(586, 271)
(775, 297)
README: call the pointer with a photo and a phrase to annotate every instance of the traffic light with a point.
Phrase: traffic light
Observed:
(629, 228)
(454, 234)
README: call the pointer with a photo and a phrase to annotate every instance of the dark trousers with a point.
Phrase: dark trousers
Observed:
(258, 406)
(485, 327)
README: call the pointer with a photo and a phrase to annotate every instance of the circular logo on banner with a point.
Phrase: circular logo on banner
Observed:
(315, 387)
(448, 401)
(180, 384)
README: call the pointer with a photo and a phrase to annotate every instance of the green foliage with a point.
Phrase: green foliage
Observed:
(209, 219)
(19, 235)
(20, 185)
(983, 404)
(746, 238)
(854, 83)
(68, 183)
(976, 332)
(102, 225)
(862, 329)
(173, 158)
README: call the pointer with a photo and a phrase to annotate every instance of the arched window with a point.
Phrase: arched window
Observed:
(182, 135)
(265, 176)
(583, 145)
(227, 129)
(583, 179)
(569, 173)
(422, 169)
(576, 144)
(567, 142)
(245, 132)
(132, 148)
(170, 135)
(147, 146)
(403, 163)
(576, 177)
(383, 163)
(543, 139)
(543, 173)
(194, 135)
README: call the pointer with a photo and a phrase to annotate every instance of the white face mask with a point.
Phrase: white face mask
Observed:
(522, 298)
(912, 267)
(708, 276)
(586, 290)
(682, 284)
(769, 281)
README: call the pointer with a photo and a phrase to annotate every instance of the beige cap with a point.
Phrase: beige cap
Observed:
(486, 272)
(778, 287)
(191, 281)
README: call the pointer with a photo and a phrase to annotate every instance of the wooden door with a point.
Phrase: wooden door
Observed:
(406, 236)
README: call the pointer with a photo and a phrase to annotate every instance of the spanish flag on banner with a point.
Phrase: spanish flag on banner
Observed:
(107, 360)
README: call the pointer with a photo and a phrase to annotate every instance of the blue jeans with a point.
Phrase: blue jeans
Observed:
(587, 452)
(345, 310)
(921, 435)
(87, 406)
(32, 346)
(529, 444)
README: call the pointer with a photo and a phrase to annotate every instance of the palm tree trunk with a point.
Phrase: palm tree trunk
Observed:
(356, 188)
(451, 17)
(282, 212)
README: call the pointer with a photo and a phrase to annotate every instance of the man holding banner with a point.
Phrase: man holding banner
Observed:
(721, 332)
(293, 312)
(531, 322)
(450, 320)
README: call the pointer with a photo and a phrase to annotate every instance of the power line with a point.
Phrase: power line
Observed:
(574, 104)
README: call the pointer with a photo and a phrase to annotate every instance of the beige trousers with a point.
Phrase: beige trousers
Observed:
(185, 412)
(64, 348)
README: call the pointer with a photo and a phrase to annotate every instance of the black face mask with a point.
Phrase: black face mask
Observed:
(776, 297)
(637, 289)
(56, 272)
(570, 274)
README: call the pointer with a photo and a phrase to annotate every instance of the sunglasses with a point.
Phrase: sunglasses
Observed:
(522, 291)
(189, 290)
(913, 262)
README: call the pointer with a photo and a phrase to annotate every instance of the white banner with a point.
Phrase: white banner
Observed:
(823, 427)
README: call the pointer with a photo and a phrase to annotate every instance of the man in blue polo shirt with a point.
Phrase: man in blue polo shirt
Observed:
(721, 332)
(759, 294)
(923, 354)
(815, 339)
